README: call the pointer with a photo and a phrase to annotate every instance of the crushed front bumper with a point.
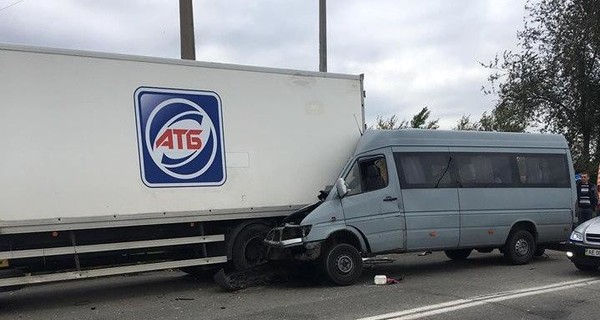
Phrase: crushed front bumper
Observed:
(287, 236)
(288, 242)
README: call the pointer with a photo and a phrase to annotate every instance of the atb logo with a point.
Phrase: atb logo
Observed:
(180, 137)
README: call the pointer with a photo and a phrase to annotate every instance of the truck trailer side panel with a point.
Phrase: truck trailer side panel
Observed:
(68, 123)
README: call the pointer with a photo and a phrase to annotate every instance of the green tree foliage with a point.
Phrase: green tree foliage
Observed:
(488, 122)
(554, 80)
(419, 121)
(465, 123)
(387, 124)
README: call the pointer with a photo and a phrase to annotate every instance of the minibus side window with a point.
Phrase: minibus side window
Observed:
(367, 175)
(485, 170)
(424, 170)
(543, 170)
(511, 170)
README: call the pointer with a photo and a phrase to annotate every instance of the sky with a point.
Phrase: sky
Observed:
(413, 53)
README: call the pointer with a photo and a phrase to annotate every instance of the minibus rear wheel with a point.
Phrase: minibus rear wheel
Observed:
(343, 264)
(460, 254)
(520, 247)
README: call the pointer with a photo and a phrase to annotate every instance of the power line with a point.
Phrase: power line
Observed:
(10, 5)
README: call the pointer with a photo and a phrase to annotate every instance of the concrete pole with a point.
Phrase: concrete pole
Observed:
(322, 36)
(186, 28)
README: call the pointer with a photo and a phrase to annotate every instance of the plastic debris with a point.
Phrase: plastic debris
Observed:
(382, 279)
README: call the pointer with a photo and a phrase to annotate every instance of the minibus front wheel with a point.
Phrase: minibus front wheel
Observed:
(343, 264)
(520, 247)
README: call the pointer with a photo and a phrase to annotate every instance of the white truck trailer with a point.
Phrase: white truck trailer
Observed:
(113, 164)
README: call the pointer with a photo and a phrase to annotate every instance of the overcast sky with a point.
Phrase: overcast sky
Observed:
(414, 53)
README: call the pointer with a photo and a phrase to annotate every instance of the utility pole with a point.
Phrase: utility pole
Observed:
(186, 28)
(322, 36)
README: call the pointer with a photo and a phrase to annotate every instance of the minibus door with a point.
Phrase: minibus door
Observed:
(372, 204)
(430, 197)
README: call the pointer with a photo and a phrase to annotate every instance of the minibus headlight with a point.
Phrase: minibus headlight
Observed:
(576, 236)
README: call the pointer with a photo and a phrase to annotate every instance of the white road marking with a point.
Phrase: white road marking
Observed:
(458, 304)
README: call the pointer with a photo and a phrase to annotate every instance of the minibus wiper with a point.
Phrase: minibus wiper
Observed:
(445, 171)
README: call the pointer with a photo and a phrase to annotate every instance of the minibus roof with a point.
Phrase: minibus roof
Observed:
(375, 139)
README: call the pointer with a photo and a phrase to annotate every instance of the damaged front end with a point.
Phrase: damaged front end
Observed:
(288, 241)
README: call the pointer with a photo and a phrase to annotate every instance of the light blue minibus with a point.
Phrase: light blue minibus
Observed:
(452, 191)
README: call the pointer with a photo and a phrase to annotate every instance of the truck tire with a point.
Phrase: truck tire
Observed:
(460, 254)
(343, 264)
(586, 267)
(248, 248)
(520, 247)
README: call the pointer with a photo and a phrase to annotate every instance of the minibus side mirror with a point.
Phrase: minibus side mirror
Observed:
(340, 186)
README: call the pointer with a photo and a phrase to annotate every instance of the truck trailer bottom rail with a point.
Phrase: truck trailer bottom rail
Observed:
(74, 275)
(45, 252)
(196, 247)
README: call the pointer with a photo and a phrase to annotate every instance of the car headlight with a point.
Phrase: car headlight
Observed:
(576, 236)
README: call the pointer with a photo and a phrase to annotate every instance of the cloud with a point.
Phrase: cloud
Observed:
(413, 53)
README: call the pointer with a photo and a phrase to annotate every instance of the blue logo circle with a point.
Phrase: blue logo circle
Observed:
(179, 136)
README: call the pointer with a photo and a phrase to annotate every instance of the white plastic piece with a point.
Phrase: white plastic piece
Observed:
(380, 279)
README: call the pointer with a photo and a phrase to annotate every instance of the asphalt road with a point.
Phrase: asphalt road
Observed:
(432, 287)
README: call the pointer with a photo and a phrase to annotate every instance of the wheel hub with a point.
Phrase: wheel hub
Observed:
(522, 247)
(344, 264)
(255, 251)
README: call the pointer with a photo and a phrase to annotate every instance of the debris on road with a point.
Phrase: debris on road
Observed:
(279, 272)
(371, 262)
(256, 276)
(382, 279)
(393, 281)
(379, 279)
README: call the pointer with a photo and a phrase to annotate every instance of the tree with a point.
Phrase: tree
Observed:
(492, 123)
(419, 121)
(464, 123)
(486, 123)
(554, 80)
(388, 124)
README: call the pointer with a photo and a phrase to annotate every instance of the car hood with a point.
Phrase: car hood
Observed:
(298, 215)
(593, 226)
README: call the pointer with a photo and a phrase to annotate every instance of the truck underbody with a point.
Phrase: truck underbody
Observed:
(194, 247)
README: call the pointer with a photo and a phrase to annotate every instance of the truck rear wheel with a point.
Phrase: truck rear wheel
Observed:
(520, 247)
(248, 248)
(460, 254)
(343, 264)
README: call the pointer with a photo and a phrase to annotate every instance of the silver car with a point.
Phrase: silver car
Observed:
(584, 245)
